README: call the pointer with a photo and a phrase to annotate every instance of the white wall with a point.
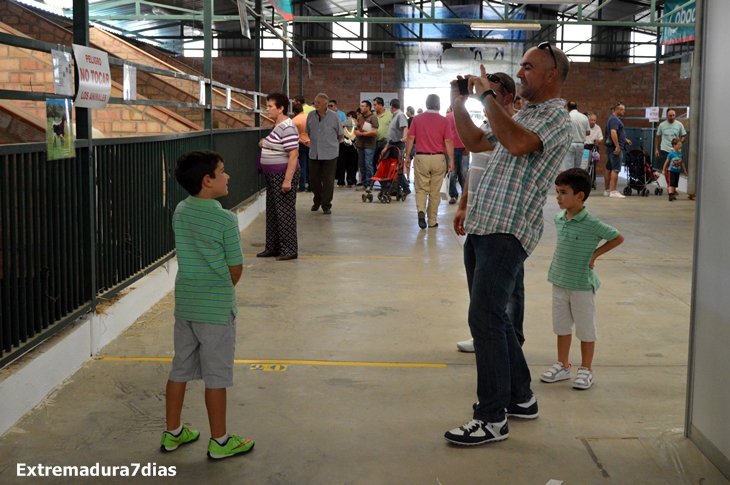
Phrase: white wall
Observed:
(708, 412)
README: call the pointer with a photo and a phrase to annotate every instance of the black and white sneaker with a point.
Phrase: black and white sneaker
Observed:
(526, 410)
(477, 432)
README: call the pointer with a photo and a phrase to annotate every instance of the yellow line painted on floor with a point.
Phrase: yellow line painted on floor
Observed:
(290, 362)
(334, 256)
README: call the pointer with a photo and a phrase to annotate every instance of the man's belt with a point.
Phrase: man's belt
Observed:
(429, 153)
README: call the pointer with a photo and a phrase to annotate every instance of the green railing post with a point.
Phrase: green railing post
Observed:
(85, 157)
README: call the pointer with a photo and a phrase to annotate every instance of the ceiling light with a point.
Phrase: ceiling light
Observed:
(503, 26)
(553, 2)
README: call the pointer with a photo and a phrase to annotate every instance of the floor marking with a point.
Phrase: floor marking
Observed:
(285, 362)
(334, 256)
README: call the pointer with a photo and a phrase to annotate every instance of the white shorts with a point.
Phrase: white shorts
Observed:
(574, 307)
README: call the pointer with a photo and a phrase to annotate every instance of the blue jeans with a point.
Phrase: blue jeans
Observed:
(493, 266)
(365, 162)
(304, 166)
(461, 167)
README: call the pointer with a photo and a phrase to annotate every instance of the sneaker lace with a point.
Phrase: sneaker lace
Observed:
(472, 425)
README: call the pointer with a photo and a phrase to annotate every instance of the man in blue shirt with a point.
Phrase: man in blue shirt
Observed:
(333, 106)
(615, 141)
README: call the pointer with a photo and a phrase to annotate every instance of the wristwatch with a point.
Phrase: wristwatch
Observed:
(486, 93)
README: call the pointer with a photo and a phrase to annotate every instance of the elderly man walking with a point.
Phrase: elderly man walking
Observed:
(581, 129)
(325, 133)
(503, 228)
(432, 133)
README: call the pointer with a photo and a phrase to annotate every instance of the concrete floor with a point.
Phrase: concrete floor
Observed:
(364, 327)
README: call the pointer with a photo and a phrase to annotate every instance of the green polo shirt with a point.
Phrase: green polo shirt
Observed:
(383, 125)
(578, 237)
(207, 241)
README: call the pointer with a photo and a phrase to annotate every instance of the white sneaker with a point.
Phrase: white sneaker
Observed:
(606, 193)
(556, 373)
(583, 379)
(477, 432)
(616, 195)
(466, 345)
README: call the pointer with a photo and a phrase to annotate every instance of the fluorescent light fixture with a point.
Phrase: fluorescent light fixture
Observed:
(553, 2)
(503, 26)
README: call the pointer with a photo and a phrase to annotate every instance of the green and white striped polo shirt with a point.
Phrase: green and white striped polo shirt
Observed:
(207, 241)
(578, 237)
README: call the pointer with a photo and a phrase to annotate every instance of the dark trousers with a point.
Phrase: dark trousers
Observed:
(281, 214)
(304, 166)
(322, 181)
(493, 265)
(347, 165)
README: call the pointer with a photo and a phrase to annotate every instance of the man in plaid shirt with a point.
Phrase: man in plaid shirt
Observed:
(503, 227)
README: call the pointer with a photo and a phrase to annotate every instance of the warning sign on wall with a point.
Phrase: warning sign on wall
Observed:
(95, 81)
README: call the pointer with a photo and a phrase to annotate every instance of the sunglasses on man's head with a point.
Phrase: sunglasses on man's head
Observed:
(493, 78)
(617, 105)
(546, 45)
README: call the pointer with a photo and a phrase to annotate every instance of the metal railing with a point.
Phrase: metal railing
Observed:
(46, 269)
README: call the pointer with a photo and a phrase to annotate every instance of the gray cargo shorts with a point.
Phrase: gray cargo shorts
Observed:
(204, 351)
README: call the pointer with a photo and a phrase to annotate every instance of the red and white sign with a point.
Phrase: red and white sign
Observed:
(95, 80)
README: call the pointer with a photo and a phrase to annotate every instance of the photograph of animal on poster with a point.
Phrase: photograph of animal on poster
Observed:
(59, 134)
(439, 52)
(435, 64)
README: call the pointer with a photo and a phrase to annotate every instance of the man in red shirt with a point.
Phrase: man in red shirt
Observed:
(434, 138)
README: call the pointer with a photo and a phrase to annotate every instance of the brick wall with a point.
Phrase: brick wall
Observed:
(341, 79)
(595, 86)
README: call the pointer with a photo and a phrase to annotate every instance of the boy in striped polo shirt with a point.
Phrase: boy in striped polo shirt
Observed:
(572, 276)
(210, 263)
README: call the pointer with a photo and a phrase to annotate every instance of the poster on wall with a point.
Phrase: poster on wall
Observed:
(59, 133)
(434, 64)
(95, 81)
(62, 76)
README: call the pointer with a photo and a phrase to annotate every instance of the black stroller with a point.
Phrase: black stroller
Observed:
(640, 174)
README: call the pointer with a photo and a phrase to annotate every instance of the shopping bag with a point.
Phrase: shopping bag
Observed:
(445, 186)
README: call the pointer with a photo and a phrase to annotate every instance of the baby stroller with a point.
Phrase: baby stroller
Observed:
(390, 165)
(640, 174)
(589, 160)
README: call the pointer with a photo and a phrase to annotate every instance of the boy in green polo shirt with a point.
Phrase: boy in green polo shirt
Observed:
(572, 276)
(210, 263)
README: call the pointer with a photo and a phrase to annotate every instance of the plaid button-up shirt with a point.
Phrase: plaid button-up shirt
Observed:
(511, 194)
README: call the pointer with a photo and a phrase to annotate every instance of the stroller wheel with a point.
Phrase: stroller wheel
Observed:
(627, 190)
(403, 199)
(364, 197)
(661, 191)
(397, 197)
(387, 199)
(646, 192)
(656, 191)
(370, 197)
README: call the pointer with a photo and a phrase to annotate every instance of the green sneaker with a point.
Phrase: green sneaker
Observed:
(170, 442)
(234, 446)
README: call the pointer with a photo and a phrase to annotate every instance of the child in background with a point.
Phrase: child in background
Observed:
(571, 273)
(210, 263)
(676, 167)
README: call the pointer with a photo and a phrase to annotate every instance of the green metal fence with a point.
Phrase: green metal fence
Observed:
(47, 267)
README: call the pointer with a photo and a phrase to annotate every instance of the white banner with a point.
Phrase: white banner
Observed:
(129, 90)
(62, 78)
(653, 114)
(95, 81)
